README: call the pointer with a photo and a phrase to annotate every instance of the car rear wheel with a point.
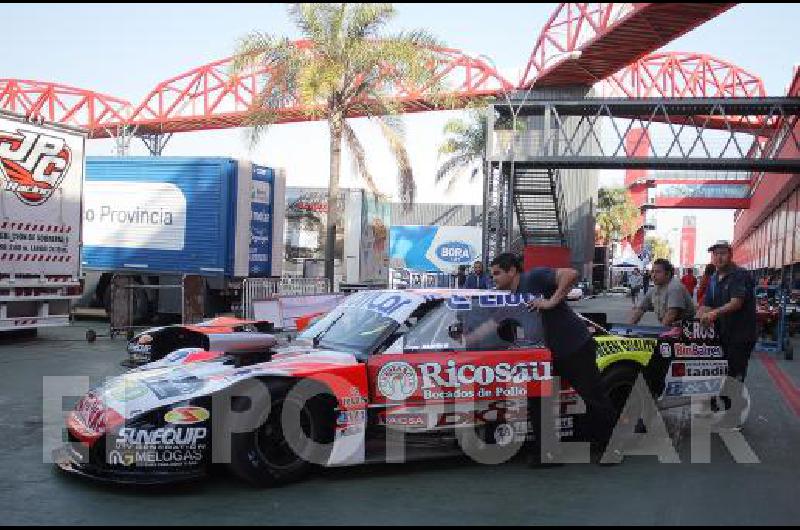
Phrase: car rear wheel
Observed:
(271, 455)
(619, 381)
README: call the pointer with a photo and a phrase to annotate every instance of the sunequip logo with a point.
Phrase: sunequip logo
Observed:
(32, 165)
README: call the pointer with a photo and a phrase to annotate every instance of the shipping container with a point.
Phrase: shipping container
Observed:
(165, 217)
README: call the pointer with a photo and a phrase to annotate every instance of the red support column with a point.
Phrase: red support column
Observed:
(688, 241)
(637, 143)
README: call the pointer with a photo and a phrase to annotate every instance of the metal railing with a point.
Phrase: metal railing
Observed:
(258, 289)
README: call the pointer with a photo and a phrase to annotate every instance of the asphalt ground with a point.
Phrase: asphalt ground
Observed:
(453, 491)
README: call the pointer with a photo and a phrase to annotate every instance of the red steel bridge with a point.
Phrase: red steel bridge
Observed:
(611, 46)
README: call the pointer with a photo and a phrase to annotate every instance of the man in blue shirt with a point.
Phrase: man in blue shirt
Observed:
(566, 335)
(478, 279)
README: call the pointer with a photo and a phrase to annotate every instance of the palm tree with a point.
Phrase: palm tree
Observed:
(464, 148)
(342, 68)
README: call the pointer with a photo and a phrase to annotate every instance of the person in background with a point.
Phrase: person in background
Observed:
(704, 281)
(478, 279)
(689, 281)
(461, 276)
(646, 281)
(730, 300)
(669, 299)
(636, 281)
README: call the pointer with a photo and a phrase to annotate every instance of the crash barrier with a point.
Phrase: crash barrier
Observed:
(261, 289)
(409, 279)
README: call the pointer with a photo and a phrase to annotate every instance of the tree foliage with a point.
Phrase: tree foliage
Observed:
(617, 215)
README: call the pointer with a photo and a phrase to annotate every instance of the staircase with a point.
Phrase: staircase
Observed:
(539, 203)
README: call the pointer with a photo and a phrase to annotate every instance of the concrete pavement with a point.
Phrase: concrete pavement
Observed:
(455, 491)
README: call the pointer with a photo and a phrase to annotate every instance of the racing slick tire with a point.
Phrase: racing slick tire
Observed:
(265, 458)
(619, 381)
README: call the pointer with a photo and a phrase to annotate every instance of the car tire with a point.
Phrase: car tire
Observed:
(264, 458)
(618, 382)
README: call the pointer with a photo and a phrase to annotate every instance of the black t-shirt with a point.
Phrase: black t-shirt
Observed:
(564, 332)
(739, 326)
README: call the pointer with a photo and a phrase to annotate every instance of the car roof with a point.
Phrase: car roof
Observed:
(456, 292)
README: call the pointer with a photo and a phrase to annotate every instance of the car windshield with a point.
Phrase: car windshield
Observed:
(362, 322)
(357, 331)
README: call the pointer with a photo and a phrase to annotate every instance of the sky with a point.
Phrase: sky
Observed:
(127, 49)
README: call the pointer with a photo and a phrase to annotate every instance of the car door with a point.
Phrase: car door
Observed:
(468, 361)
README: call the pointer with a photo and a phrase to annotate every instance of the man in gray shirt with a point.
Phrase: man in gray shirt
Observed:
(669, 299)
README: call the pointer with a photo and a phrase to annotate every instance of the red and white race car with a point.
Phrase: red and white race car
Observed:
(386, 373)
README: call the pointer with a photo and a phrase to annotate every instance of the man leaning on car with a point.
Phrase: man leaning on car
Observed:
(566, 335)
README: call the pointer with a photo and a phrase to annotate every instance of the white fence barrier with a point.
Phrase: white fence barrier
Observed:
(408, 279)
(260, 289)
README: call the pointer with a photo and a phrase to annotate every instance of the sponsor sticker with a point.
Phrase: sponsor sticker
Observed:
(665, 349)
(169, 388)
(125, 391)
(187, 415)
(693, 330)
(405, 420)
(465, 303)
(699, 369)
(166, 447)
(693, 387)
(397, 381)
(697, 350)
(618, 345)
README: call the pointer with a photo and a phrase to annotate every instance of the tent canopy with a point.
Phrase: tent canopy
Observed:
(627, 258)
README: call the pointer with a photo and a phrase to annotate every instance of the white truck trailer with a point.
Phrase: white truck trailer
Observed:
(41, 190)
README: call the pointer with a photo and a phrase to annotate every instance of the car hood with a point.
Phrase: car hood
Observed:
(173, 380)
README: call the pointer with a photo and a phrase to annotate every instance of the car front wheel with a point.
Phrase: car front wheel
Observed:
(272, 455)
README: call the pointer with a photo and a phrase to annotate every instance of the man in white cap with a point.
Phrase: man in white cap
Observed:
(730, 301)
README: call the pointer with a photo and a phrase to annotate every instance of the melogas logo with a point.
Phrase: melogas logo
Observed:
(455, 252)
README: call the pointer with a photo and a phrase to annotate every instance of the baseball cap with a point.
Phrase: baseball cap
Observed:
(720, 244)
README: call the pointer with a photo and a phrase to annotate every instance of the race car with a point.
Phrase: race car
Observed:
(407, 372)
(222, 333)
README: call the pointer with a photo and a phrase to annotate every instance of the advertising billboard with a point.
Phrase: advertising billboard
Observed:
(434, 248)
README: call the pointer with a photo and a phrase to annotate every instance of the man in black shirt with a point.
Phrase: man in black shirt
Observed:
(566, 335)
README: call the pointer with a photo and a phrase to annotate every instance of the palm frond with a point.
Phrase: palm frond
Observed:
(358, 157)
(394, 131)
(365, 20)
(312, 19)
(452, 166)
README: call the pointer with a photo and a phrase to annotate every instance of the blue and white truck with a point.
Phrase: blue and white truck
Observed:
(159, 218)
